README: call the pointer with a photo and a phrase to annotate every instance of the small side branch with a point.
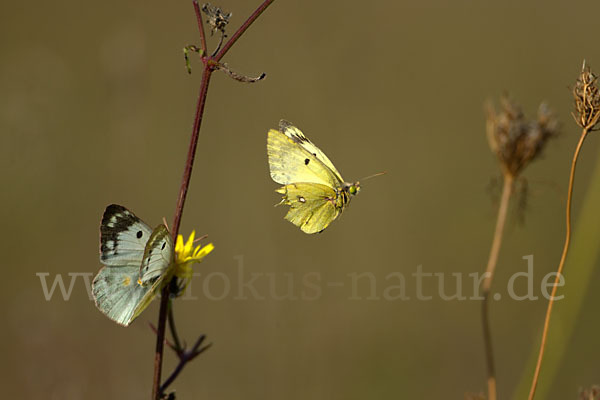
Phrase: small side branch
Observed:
(178, 347)
(185, 356)
(239, 77)
(200, 26)
(243, 29)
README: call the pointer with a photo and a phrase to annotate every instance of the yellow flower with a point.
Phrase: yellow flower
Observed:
(185, 255)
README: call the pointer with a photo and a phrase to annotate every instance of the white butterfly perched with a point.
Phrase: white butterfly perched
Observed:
(137, 259)
(313, 188)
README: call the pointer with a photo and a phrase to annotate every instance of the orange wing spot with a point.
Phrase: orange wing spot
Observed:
(126, 281)
(139, 282)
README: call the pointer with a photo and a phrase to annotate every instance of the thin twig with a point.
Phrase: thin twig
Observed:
(219, 45)
(200, 26)
(561, 264)
(209, 63)
(171, 345)
(173, 328)
(507, 191)
(239, 77)
(242, 29)
(182, 353)
(184, 358)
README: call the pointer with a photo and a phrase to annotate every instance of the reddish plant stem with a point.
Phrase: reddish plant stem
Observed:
(200, 26)
(185, 183)
(187, 174)
(242, 29)
(209, 65)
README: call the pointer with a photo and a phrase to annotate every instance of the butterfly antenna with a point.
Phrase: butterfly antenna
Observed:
(373, 176)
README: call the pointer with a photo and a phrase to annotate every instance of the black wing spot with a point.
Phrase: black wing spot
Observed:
(139, 234)
(163, 246)
(315, 154)
(306, 161)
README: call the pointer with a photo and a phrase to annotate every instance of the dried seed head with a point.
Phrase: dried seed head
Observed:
(516, 140)
(217, 18)
(592, 393)
(587, 99)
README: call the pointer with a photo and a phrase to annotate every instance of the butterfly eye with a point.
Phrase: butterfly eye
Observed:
(352, 189)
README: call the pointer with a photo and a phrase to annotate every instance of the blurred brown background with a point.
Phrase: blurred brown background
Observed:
(96, 108)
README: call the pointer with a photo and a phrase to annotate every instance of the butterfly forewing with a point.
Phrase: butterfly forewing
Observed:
(300, 138)
(123, 237)
(290, 163)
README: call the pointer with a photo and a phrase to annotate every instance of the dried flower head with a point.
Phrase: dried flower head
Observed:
(516, 140)
(592, 393)
(217, 18)
(587, 99)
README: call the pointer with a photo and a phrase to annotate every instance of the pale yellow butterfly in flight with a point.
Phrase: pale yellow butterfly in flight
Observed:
(313, 188)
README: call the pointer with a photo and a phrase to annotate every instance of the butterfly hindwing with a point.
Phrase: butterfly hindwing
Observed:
(118, 293)
(312, 206)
